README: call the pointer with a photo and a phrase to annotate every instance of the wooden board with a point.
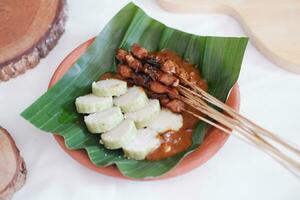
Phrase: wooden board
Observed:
(29, 30)
(12, 166)
(273, 26)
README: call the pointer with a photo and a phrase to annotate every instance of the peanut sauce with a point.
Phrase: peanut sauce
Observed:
(174, 142)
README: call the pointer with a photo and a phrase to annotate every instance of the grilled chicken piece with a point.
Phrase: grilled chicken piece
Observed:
(133, 63)
(125, 71)
(153, 73)
(156, 90)
(157, 87)
(175, 105)
(158, 75)
(139, 51)
(121, 55)
(169, 67)
(155, 60)
(141, 79)
(168, 79)
(173, 93)
(164, 101)
(153, 95)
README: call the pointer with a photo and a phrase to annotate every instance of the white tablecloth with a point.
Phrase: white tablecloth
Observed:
(270, 96)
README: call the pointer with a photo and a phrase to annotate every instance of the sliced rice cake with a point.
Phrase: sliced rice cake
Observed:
(91, 103)
(146, 114)
(144, 143)
(134, 99)
(109, 87)
(166, 120)
(119, 136)
(103, 121)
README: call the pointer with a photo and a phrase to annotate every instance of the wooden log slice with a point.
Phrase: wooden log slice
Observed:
(29, 29)
(12, 167)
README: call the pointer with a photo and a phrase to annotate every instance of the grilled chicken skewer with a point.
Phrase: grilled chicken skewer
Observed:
(160, 82)
(245, 129)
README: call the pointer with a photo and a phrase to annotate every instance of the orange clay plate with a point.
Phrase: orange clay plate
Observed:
(213, 141)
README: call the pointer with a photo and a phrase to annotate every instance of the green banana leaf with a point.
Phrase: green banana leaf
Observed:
(218, 59)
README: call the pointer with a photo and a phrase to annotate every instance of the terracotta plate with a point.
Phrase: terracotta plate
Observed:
(213, 141)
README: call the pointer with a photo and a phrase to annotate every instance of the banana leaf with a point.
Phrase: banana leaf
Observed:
(218, 59)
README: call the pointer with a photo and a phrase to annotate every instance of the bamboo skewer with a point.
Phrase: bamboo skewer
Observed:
(245, 129)
(271, 153)
(253, 131)
(242, 119)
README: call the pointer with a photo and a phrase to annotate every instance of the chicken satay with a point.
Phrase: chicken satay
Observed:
(164, 101)
(169, 67)
(173, 93)
(141, 79)
(166, 66)
(163, 63)
(175, 105)
(156, 90)
(145, 81)
(153, 61)
(162, 78)
(125, 71)
(168, 79)
(153, 95)
(139, 51)
(159, 88)
(150, 70)
(121, 55)
(158, 75)
(162, 73)
(133, 63)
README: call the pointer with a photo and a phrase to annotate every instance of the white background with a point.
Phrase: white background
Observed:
(269, 96)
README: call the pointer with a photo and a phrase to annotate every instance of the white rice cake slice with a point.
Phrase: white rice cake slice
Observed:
(119, 136)
(145, 142)
(166, 120)
(109, 87)
(134, 99)
(103, 121)
(91, 103)
(146, 114)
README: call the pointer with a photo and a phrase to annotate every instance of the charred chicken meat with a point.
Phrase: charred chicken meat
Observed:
(156, 75)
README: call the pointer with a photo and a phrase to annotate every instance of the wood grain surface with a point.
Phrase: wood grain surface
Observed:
(29, 29)
(272, 25)
(12, 166)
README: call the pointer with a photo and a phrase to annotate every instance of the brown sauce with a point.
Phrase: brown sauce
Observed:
(174, 142)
